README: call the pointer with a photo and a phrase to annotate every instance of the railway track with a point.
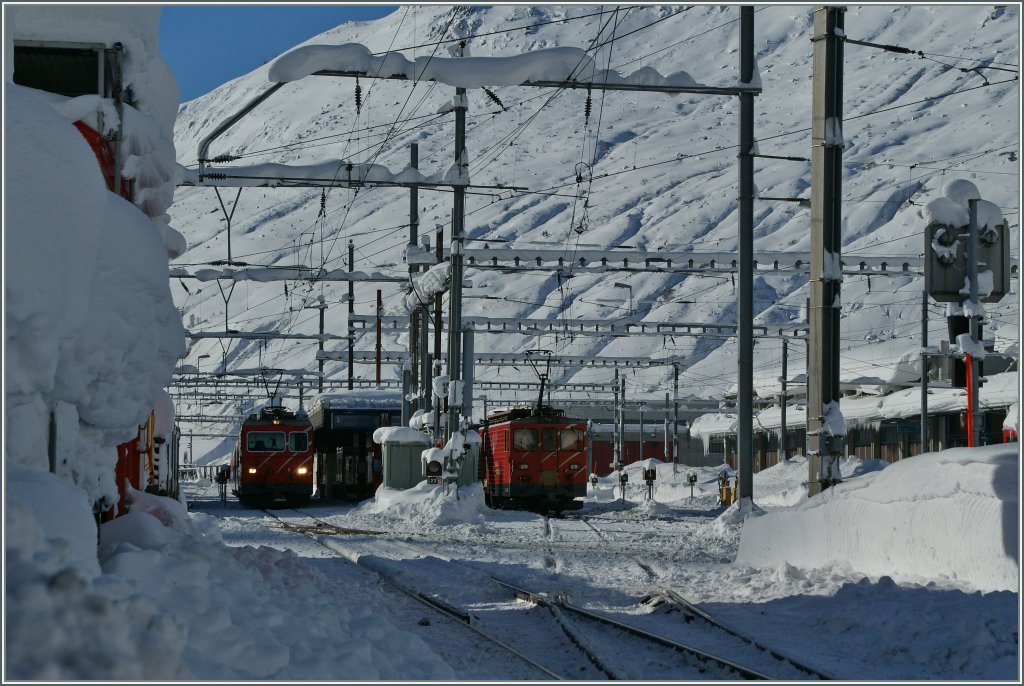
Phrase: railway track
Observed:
(689, 611)
(450, 612)
(599, 639)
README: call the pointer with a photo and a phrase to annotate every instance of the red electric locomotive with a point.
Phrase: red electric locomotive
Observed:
(273, 459)
(534, 459)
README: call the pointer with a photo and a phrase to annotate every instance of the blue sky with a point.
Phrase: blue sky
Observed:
(207, 45)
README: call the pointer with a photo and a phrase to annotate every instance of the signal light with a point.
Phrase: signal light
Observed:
(433, 468)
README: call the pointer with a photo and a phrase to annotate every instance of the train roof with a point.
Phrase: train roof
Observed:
(360, 399)
(546, 414)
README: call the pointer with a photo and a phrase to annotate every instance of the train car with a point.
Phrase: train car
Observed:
(273, 458)
(534, 459)
(349, 465)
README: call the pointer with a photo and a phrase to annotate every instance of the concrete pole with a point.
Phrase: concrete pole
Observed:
(745, 306)
(823, 452)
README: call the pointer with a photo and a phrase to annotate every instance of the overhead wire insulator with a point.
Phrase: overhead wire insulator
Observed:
(494, 97)
(587, 107)
(323, 204)
(220, 159)
(359, 98)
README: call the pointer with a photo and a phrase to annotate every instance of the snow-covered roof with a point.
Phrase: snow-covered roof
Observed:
(360, 399)
(999, 390)
(400, 434)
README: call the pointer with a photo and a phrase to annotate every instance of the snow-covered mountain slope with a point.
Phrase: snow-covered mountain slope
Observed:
(658, 172)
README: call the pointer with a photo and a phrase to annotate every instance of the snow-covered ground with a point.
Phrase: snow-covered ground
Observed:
(908, 571)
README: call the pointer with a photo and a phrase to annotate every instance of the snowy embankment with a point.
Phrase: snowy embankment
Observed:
(942, 516)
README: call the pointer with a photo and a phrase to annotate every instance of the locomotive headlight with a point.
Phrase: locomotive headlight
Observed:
(574, 467)
(522, 465)
(301, 470)
(252, 470)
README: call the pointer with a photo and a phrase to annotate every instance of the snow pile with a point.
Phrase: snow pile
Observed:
(950, 515)
(429, 504)
(97, 344)
(249, 612)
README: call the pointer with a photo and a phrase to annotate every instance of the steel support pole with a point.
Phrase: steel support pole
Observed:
(825, 440)
(675, 417)
(351, 311)
(458, 228)
(616, 455)
(924, 371)
(745, 309)
(320, 363)
(408, 403)
(973, 418)
(467, 373)
(379, 344)
(783, 451)
(424, 375)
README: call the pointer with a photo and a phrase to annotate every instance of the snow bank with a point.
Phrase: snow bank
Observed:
(950, 515)
(96, 330)
(251, 612)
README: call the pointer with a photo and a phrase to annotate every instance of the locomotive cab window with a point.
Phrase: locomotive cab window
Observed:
(298, 441)
(548, 439)
(569, 439)
(264, 440)
(524, 439)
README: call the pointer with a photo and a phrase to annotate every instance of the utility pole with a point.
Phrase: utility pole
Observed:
(351, 312)
(322, 306)
(666, 438)
(616, 455)
(825, 431)
(380, 312)
(675, 416)
(455, 291)
(415, 350)
(924, 370)
(782, 401)
(974, 321)
(745, 306)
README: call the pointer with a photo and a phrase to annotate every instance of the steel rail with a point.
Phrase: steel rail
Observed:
(684, 603)
(563, 603)
(433, 603)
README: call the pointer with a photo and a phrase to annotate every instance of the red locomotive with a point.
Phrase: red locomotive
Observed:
(273, 458)
(534, 459)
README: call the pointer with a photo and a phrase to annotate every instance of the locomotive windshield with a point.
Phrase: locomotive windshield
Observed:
(298, 441)
(524, 439)
(570, 439)
(265, 440)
